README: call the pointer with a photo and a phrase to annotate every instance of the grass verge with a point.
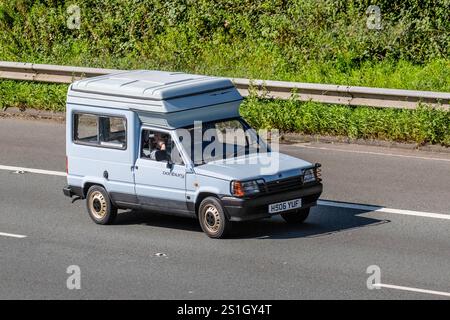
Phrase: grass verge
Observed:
(423, 125)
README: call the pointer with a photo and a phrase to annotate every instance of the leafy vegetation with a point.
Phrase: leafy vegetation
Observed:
(324, 41)
(43, 96)
(422, 125)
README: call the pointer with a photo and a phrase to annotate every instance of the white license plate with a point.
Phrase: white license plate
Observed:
(285, 205)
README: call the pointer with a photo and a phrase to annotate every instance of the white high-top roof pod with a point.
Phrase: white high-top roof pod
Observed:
(159, 94)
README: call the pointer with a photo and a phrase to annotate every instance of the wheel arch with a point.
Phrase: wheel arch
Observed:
(88, 185)
(202, 196)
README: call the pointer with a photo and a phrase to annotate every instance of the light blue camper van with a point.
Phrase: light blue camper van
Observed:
(175, 143)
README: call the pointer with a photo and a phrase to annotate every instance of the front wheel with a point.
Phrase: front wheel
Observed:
(99, 206)
(297, 216)
(212, 218)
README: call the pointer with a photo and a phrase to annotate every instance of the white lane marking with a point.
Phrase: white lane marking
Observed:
(320, 202)
(12, 235)
(391, 286)
(373, 153)
(382, 209)
(38, 171)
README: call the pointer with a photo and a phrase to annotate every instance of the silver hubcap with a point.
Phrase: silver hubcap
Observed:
(211, 219)
(97, 205)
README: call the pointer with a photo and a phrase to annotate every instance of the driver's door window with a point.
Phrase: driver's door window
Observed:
(159, 146)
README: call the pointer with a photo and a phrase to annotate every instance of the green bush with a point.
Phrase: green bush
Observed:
(423, 125)
(324, 41)
(50, 97)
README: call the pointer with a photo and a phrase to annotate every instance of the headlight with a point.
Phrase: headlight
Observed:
(245, 188)
(309, 175)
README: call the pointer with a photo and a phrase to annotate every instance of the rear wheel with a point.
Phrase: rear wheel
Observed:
(212, 218)
(297, 216)
(99, 206)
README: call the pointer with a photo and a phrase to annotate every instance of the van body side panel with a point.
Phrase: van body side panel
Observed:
(112, 168)
(199, 184)
(160, 187)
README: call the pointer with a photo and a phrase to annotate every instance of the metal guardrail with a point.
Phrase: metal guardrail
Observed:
(325, 93)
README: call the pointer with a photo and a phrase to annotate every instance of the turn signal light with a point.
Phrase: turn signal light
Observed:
(237, 189)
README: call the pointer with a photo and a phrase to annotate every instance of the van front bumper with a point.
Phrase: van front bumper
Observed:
(243, 209)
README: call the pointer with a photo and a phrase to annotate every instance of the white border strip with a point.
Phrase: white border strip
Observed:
(373, 153)
(38, 171)
(383, 209)
(391, 286)
(12, 235)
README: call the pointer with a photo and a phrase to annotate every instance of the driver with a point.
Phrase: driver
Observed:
(159, 152)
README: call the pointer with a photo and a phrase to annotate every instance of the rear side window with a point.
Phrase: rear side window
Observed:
(86, 128)
(113, 132)
(100, 130)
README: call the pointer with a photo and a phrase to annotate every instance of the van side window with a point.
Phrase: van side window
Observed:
(158, 146)
(100, 130)
(86, 128)
(113, 132)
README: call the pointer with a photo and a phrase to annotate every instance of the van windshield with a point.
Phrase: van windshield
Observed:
(222, 139)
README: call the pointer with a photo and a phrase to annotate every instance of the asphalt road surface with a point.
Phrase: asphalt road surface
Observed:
(405, 232)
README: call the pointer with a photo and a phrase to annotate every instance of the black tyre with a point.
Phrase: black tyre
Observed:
(99, 206)
(212, 218)
(297, 216)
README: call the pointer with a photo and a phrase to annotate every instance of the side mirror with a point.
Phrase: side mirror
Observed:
(169, 164)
